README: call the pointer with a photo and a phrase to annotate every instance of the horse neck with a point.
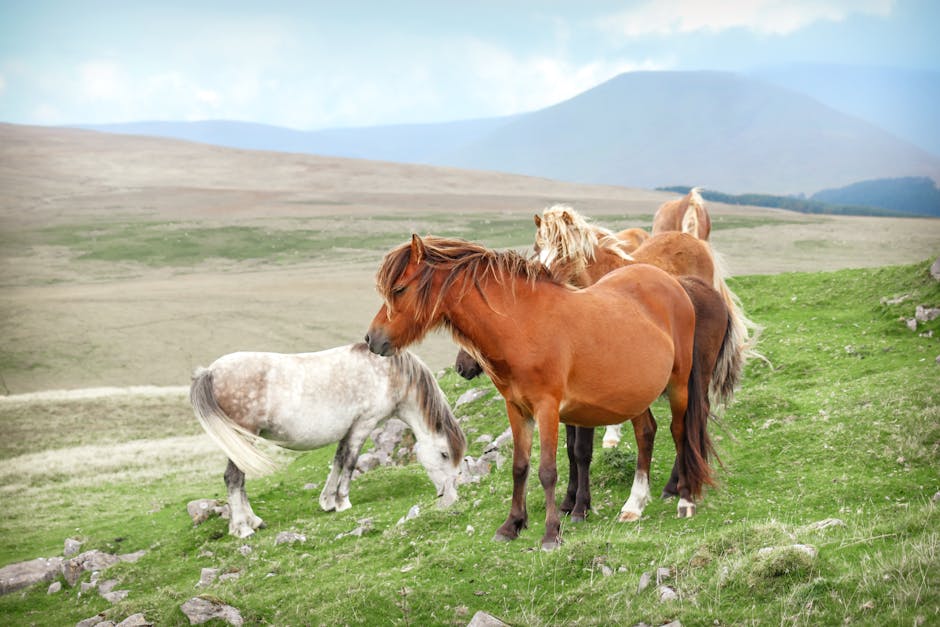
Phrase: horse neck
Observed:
(605, 260)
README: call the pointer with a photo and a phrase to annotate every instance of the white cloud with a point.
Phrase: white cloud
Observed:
(101, 80)
(768, 17)
(3, 83)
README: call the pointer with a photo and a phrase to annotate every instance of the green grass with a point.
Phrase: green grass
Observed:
(846, 425)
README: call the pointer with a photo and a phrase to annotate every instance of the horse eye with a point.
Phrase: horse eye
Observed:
(398, 290)
(445, 455)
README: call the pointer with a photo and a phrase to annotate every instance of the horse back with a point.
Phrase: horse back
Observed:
(679, 254)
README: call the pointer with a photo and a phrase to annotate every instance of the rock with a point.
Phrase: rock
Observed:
(229, 577)
(365, 525)
(926, 314)
(106, 586)
(289, 537)
(20, 575)
(911, 324)
(935, 269)
(825, 524)
(311, 486)
(413, 512)
(207, 576)
(97, 619)
(482, 619)
(71, 547)
(936, 497)
(486, 438)
(644, 583)
(606, 570)
(116, 596)
(667, 593)
(87, 586)
(135, 620)
(367, 462)
(132, 557)
(200, 610)
(245, 549)
(54, 587)
(662, 574)
(894, 301)
(89, 560)
(469, 396)
(203, 509)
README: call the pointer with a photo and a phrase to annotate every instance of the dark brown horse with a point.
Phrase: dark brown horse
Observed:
(589, 357)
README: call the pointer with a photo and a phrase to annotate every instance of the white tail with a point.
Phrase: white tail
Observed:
(235, 441)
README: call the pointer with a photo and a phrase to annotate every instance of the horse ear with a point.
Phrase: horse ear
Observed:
(567, 217)
(417, 248)
(538, 221)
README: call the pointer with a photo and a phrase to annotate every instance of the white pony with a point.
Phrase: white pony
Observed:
(308, 400)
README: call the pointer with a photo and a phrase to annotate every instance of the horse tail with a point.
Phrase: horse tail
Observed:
(728, 366)
(697, 446)
(744, 331)
(235, 441)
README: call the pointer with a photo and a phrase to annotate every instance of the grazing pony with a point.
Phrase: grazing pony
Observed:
(686, 215)
(590, 357)
(580, 253)
(308, 400)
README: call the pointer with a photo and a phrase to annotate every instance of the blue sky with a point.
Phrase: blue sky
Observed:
(310, 65)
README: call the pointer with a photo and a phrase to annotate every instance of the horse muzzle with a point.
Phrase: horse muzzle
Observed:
(379, 343)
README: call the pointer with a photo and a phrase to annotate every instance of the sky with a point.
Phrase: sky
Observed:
(324, 64)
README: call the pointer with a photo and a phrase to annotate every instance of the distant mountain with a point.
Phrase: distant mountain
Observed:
(404, 143)
(644, 129)
(912, 195)
(901, 101)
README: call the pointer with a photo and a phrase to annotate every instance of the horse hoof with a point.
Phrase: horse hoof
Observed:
(686, 510)
(499, 537)
(667, 495)
(551, 545)
(578, 518)
(242, 532)
(628, 517)
(610, 443)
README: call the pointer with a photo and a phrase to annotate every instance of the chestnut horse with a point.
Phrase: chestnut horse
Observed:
(686, 215)
(590, 357)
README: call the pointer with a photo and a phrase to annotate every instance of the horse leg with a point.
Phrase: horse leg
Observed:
(571, 495)
(353, 444)
(547, 417)
(678, 402)
(242, 521)
(611, 436)
(644, 429)
(521, 451)
(672, 486)
(328, 495)
(584, 451)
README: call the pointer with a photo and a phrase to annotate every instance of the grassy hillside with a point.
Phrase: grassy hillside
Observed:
(846, 425)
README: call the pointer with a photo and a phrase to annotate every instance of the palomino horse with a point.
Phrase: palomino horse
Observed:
(686, 215)
(590, 357)
(308, 400)
(580, 253)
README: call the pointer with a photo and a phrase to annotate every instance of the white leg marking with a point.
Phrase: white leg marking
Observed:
(611, 436)
(686, 509)
(639, 498)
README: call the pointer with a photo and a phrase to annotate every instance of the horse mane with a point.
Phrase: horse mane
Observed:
(465, 262)
(438, 417)
(576, 240)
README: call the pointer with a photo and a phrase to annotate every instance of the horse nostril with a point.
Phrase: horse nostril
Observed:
(367, 338)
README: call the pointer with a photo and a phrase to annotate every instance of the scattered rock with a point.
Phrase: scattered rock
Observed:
(501, 439)
(413, 512)
(645, 580)
(289, 537)
(606, 570)
(825, 524)
(367, 462)
(486, 438)
(894, 301)
(482, 619)
(71, 547)
(135, 620)
(107, 586)
(207, 576)
(469, 396)
(662, 574)
(132, 557)
(911, 324)
(200, 610)
(935, 269)
(91, 622)
(20, 575)
(203, 509)
(867, 605)
(54, 587)
(116, 596)
(229, 577)
(667, 593)
(311, 486)
(245, 549)
(365, 525)
(926, 314)
(89, 560)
